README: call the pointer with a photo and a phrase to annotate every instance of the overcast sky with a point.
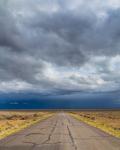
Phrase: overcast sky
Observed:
(59, 46)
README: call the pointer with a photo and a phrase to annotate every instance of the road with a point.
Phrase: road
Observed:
(60, 132)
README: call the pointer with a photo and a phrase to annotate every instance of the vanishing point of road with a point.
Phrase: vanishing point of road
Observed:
(60, 132)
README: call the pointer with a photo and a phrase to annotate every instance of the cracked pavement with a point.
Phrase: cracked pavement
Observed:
(60, 132)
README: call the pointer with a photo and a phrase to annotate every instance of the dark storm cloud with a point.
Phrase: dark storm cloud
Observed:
(35, 35)
(9, 35)
(77, 33)
(17, 66)
(74, 35)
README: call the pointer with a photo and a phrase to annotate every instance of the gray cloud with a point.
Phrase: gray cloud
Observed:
(49, 44)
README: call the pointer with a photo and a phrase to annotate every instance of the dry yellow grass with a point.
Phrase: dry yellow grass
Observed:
(11, 121)
(108, 121)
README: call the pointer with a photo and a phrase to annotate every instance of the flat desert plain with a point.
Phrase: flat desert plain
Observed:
(13, 121)
(108, 121)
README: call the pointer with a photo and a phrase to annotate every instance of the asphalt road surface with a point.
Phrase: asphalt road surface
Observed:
(60, 132)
